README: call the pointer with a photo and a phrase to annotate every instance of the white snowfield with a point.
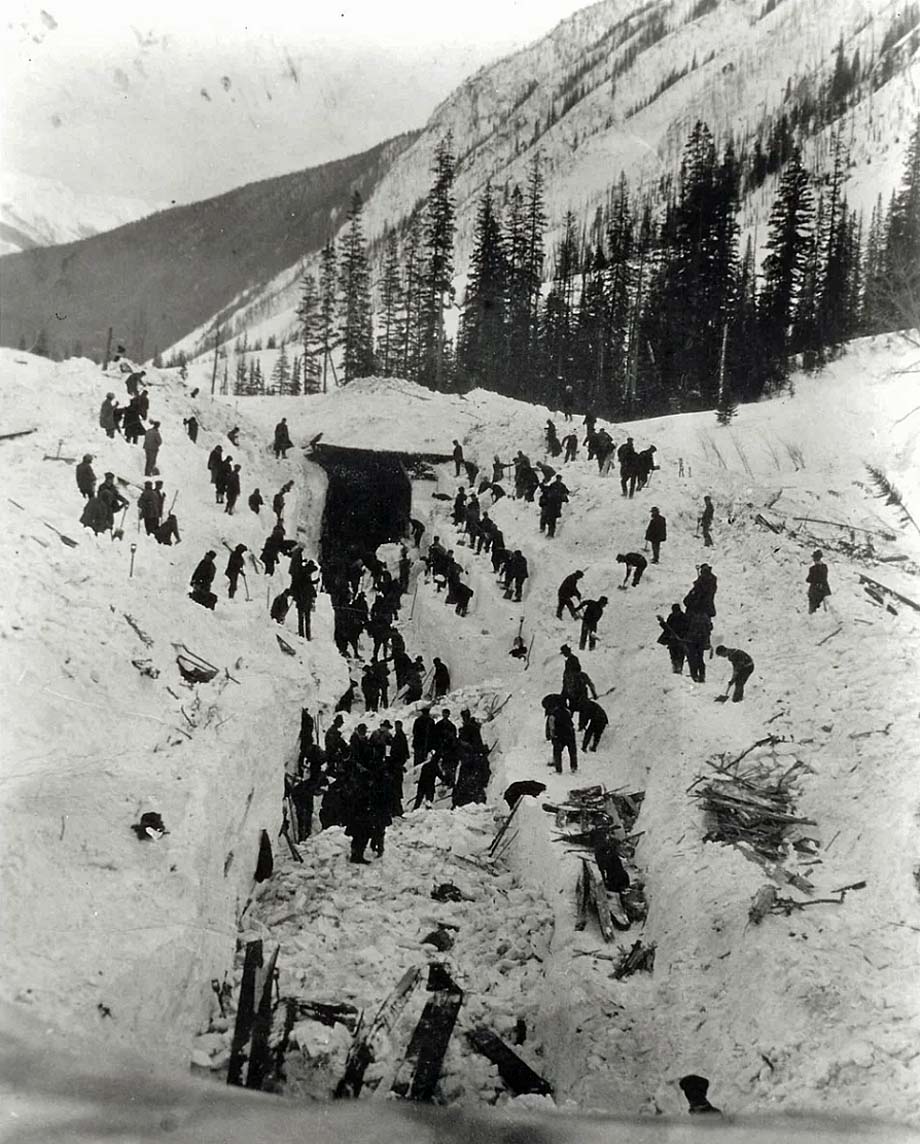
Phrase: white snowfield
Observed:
(811, 1012)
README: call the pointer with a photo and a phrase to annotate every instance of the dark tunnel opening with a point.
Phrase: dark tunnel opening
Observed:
(368, 502)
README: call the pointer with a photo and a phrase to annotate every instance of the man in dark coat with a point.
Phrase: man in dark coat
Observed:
(131, 422)
(418, 530)
(593, 720)
(107, 418)
(444, 744)
(152, 442)
(280, 606)
(656, 532)
(215, 462)
(222, 471)
(591, 613)
(560, 731)
(567, 592)
(235, 568)
(818, 587)
(96, 515)
(674, 637)
(742, 668)
(705, 522)
(428, 777)
(603, 450)
(409, 676)
(282, 439)
(645, 464)
(458, 457)
(553, 447)
(470, 732)
(168, 530)
(702, 595)
(422, 736)
(570, 444)
(255, 501)
(627, 456)
(516, 572)
(161, 499)
(148, 508)
(440, 682)
(272, 549)
(111, 496)
(232, 489)
(396, 768)
(86, 478)
(553, 497)
(570, 672)
(463, 593)
(635, 563)
(370, 688)
(191, 427)
(202, 579)
(699, 630)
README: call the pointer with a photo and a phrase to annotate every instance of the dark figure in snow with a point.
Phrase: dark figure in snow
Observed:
(215, 463)
(604, 449)
(282, 439)
(470, 732)
(694, 1089)
(818, 587)
(742, 668)
(428, 777)
(405, 567)
(458, 516)
(133, 380)
(518, 648)
(418, 530)
(560, 731)
(458, 458)
(169, 531)
(656, 533)
(111, 496)
(96, 515)
(278, 499)
(423, 735)
(463, 593)
(699, 631)
(645, 464)
(191, 427)
(570, 443)
(635, 563)
(472, 471)
(410, 676)
(335, 745)
(202, 579)
(396, 768)
(591, 613)
(143, 403)
(440, 680)
(552, 439)
(346, 700)
(705, 522)
(233, 489)
(516, 572)
(472, 778)
(592, 720)
(580, 692)
(569, 591)
(107, 419)
(674, 637)
(161, 499)
(255, 501)
(131, 422)
(368, 818)
(444, 744)
(148, 508)
(498, 469)
(568, 403)
(471, 517)
(626, 455)
(280, 606)
(702, 595)
(86, 478)
(370, 688)
(221, 476)
(552, 498)
(235, 568)
(571, 670)
(272, 548)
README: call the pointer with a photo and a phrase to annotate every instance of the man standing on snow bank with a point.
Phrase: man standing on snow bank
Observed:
(590, 617)
(235, 569)
(635, 563)
(86, 478)
(458, 457)
(656, 532)
(742, 667)
(705, 523)
(674, 637)
(148, 508)
(282, 439)
(107, 418)
(560, 730)
(516, 572)
(818, 587)
(567, 592)
(232, 490)
(191, 427)
(592, 719)
(152, 443)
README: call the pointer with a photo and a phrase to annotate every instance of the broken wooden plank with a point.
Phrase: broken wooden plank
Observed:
(260, 1056)
(17, 433)
(879, 587)
(430, 1039)
(581, 901)
(360, 1055)
(245, 1012)
(328, 1012)
(597, 896)
(848, 527)
(517, 1074)
(759, 518)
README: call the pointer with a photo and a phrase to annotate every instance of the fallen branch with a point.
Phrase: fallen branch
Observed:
(830, 637)
(879, 587)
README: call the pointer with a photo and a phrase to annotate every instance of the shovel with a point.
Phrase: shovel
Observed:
(64, 539)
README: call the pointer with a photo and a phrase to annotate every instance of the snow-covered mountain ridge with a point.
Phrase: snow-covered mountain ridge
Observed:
(616, 88)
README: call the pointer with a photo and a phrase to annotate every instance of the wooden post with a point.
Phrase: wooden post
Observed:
(245, 1013)
(722, 361)
(108, 350)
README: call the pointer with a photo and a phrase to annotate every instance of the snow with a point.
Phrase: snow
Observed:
(801, 1013)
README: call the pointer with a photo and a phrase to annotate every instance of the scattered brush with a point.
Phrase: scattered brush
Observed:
(743, 456)
(640, 957)
(884, 488)
(795, 455)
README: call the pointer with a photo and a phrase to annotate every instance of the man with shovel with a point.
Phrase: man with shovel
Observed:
(742, 668)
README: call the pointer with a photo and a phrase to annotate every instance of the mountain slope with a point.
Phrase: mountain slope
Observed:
(44, 212)
(156, 279)
(617, 87)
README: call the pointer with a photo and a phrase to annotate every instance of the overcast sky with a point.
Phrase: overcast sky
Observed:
(177, 101)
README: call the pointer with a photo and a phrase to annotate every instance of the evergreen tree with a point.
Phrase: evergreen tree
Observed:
(281, 373)
(836, 317)
(534, 256)
(611, 371)
(311, 339)
(790, 232)
(438, 273)
(328, 310)
(901, 283)
(356, 318)
(240, 385)
(744, 373)
(410, 349)
(519, 365)
(559, 314)
(157, 360)
(392, 310)
(872, 310)
(295, 387)
(481, 351)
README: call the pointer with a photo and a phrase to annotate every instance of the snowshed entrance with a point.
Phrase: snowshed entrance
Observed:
(369, 498)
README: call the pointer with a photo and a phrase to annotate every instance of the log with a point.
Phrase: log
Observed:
(245, 1012)
(597, 896)
(517, 1075)
(430, 1039)
(863, 579)
(260, 1056)
(848, 527)
(328, 1012)
(581, 901)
